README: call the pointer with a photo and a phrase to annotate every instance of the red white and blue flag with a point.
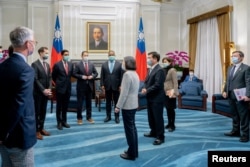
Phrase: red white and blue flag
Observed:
(141, 58)
(57, 44)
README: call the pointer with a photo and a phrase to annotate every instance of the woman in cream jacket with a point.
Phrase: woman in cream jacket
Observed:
(171, 91)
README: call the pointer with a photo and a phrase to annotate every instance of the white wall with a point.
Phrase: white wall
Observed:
(162, 28)
(241, 27)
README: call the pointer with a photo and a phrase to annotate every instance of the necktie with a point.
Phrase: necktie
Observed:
(231, 78)
(232, 73)
(86, 67)
(150, 70)
(45, 67)
(111, 67)
(66, 67)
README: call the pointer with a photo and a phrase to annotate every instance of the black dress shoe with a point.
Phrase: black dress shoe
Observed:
(149, 135)
(171, 129)
(65, 125)
(244, 139)
(167, 126)
(232, 134)
(107, 119)
(59, 126)
(126, 156)
(158, 142)
(126, 152)
(117, 120)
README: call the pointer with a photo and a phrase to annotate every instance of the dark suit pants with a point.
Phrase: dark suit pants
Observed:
(81, 96)
(62, 101)
(130, 131)
(240, 116)
(40, 109)
(155, 119)
(111, 95)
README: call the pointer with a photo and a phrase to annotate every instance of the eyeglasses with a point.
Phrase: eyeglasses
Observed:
(35, 42)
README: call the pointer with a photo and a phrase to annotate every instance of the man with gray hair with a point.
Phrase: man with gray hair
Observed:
(17, 115)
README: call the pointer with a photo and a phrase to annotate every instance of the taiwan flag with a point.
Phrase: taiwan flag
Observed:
(57, 44)
(141, 59)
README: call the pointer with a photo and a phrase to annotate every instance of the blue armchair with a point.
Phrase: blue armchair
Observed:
(192, 96)
(72, 106)
(141, 98)
(220, 105)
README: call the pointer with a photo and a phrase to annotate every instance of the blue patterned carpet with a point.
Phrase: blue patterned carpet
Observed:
(99, 144)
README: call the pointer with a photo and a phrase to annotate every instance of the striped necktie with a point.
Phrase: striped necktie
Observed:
(66, 67)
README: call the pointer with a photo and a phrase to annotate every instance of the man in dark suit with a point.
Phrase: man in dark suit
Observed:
(111, 77)
(42, 90)
(61, 75)
(154, 90)
(238, 76)
(85, 72)
(17, 115)
(98, 43)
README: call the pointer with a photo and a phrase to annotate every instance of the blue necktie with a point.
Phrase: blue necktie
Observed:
(231, 78)
(111, 67)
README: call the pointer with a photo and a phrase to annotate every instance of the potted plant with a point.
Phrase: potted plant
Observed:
(179, 57)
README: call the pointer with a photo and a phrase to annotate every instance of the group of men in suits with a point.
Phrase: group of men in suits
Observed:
(85, 73)
(24, 92)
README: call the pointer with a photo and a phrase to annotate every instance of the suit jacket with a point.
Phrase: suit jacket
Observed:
(42, 77)
(240, 79)
(102, 45)
(128, 98)
(111, 80)
(17, 113)
(194, 78)
(171, 82)
(61, 79)
(154, 83)
(79, 71)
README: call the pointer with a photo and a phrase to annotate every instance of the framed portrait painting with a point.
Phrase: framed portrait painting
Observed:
(98, 36)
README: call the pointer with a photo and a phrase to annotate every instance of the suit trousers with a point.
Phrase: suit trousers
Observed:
(62, 101)
(155, 119)
(40, 108)
(240, 115)
(130, 131)
(111, 95)
(16, 157)
(84, 95)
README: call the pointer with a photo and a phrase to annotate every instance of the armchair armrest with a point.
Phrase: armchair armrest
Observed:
(204, 93)
(181, 92)
(218, 96)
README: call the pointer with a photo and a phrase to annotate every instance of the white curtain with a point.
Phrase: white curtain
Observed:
(208, 62)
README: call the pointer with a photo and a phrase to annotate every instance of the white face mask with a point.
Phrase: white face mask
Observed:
(45, 56)
(85, 58)
(164, 65)
(149, 62)
(191, 74)
(31, 52)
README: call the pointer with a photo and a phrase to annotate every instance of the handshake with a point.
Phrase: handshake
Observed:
(85, 77)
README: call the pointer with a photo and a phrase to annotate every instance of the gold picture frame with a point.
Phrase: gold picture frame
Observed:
(98, 37)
